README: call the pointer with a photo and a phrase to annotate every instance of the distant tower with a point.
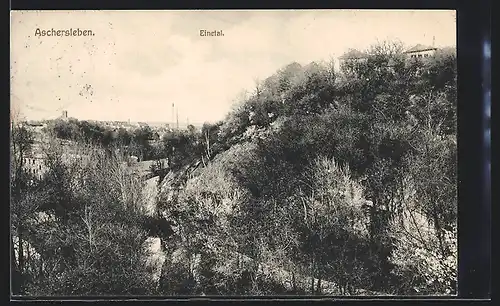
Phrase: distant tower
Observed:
(172, 119)
(65, 114)
(433, 41)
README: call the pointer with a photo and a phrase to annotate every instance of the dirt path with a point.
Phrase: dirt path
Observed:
(150, 193)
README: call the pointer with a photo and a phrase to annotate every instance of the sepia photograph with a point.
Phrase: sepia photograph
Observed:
(233, 153)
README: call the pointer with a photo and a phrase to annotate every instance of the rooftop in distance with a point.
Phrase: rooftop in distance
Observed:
(420, 48)
(354, 54)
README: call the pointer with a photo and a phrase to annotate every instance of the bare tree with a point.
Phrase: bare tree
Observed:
(331, 69)
(258, 87)
(389, 48)
(21, 143)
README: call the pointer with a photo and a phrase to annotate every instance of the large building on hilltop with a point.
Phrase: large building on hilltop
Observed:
(420, 51)
(353, 55)
(416, 52)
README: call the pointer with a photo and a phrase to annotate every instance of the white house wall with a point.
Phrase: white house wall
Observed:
(422, 53)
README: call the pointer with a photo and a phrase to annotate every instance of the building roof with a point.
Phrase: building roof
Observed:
(353, 54)
(420, 48)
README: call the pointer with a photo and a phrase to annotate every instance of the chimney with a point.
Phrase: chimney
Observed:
(172, 114)
(65, 114)
(433, 41)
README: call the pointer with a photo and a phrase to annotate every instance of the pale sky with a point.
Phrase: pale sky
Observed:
(140, 62)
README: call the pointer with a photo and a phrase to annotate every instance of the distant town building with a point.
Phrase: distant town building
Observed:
(420, 51)
(34, 123)
(35, 165)
(64, 115)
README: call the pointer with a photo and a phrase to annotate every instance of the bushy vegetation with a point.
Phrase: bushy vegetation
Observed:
(79, 230)
(320, 182)
(139, 142)
(333, 168)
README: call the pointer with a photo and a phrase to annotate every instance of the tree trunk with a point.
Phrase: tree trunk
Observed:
(312, 276)
(313, 290)
(40, 271)
(318, 287)
(16, 277)
(20, 250)
(28, 256)
(438, 228)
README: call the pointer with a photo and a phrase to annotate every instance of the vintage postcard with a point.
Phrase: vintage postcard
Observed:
(233, 153)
